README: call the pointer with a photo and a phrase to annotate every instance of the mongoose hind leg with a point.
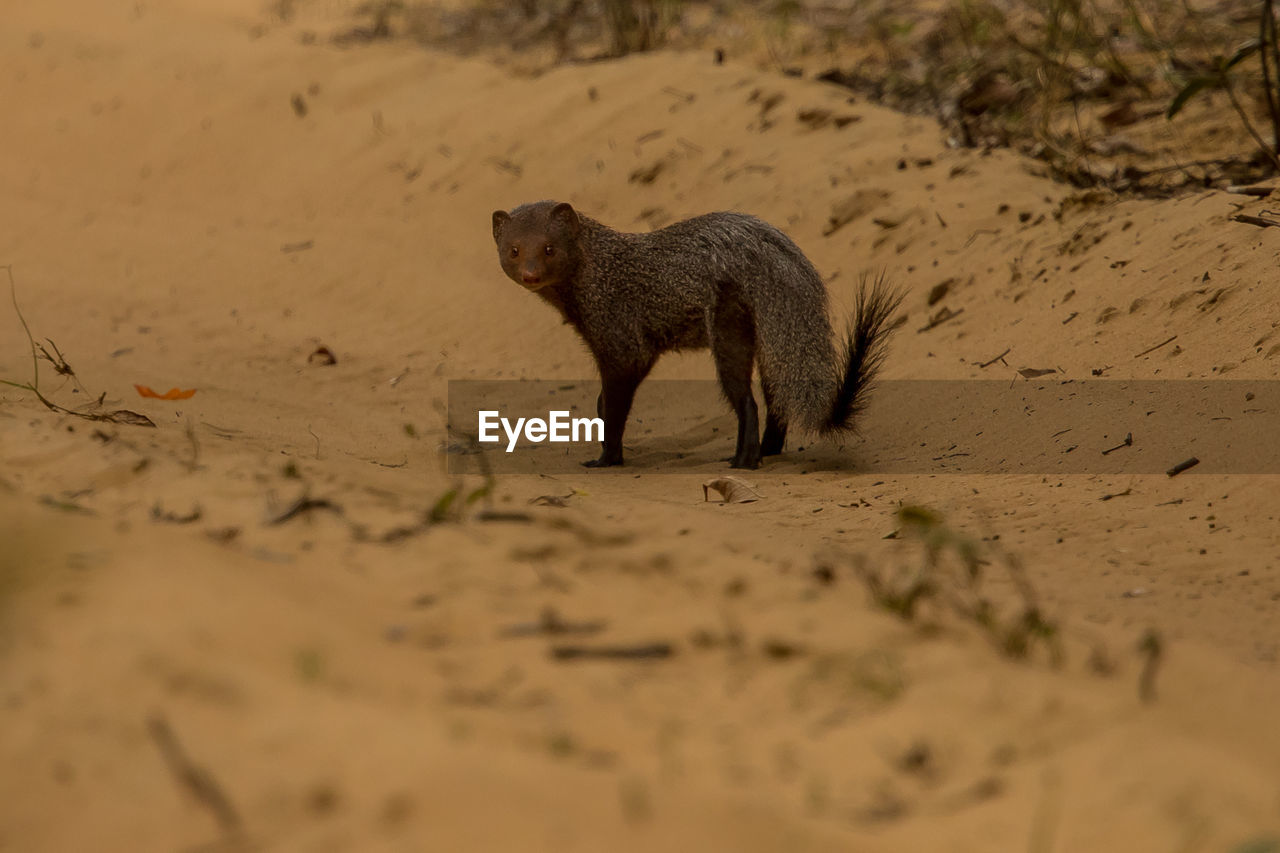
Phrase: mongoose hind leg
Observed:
(733, 348)
(614, 406)
(775, 428)
(775, 436)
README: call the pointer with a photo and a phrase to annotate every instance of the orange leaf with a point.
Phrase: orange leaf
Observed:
(171, 394)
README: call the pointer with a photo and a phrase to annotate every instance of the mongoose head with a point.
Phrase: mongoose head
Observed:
(538, 243)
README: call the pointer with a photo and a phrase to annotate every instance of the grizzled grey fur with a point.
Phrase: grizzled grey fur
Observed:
(727, 281)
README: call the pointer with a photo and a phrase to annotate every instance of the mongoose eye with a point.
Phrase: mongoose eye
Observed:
(515, 251)
(550, 251)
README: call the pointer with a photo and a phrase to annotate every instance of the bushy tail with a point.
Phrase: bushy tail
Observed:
(864, 351)
(810, 381)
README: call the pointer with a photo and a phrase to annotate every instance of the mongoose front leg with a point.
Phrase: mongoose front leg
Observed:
(616, 398)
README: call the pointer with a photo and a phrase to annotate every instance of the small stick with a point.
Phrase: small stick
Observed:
(994, 360)
(1260, 221)
(194, 778)
(650, 651)
(121, 416)
(1128, 442)
(1182, 466)
(975, 234)
(194, 464)
(301, 505)
(1123, 494)
(1156, 347)
(499, 515)
(1260, 192)
(550, 622)
(943, 316)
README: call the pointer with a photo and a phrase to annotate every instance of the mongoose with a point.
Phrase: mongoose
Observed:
(727, 281)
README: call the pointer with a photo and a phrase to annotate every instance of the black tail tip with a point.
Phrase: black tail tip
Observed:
(865, 348)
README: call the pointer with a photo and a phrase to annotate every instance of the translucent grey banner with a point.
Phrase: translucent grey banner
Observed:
(1035, 426)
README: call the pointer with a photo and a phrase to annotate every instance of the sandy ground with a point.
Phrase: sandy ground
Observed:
(196, 198)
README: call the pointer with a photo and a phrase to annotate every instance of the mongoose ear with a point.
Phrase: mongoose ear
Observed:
(565, 215)
(500, 218)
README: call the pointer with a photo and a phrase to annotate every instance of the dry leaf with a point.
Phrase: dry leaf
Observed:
(1033, 372)
(940, 290)
(323, 356)
(732, 489)
(815, 117)
(124, 416)
(171, 394)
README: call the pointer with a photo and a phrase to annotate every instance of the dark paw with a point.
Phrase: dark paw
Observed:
(603, 462)
(747, 462)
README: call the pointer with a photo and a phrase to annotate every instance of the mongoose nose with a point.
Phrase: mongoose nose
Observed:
(530, 277)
